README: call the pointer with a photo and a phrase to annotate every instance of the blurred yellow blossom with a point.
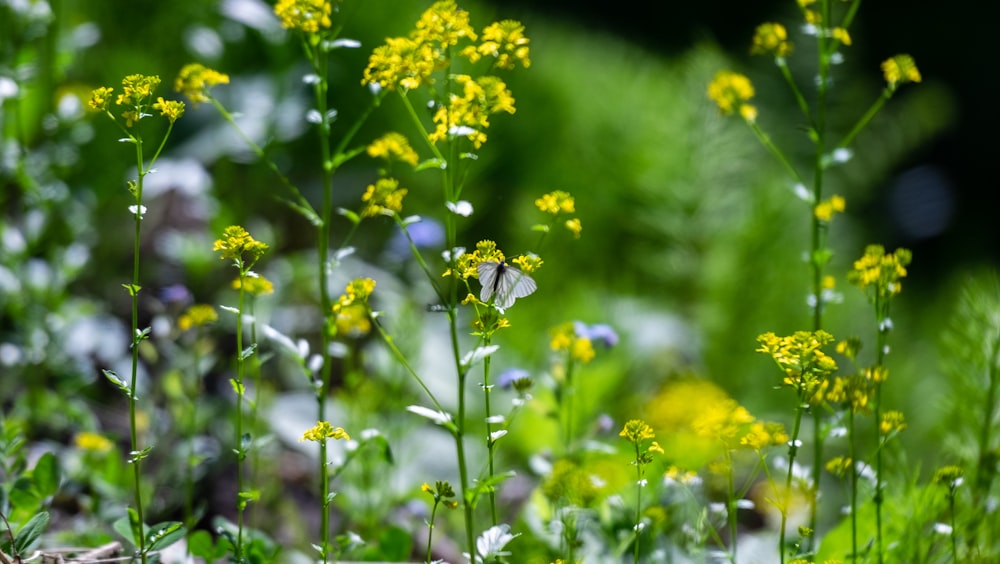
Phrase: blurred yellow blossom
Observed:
(392, 146)
(304, 15)
(504, 41)
(322, 431)
(730, 91)
(256, 285)
(900, 70)
(771, 39)
(825, 210)
(880, 271)
(93, 442)
(195, 79)
(383, 197)
(198, 315)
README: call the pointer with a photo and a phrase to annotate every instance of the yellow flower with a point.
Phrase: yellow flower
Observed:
(467, 114)
(880, 271)
(384, 197)
(171, 109)
(505, 42)
(636, 430)
(841, 34)
(582, 350)
(351, 311)
(322, 431)
(304, 15)
(238, 245)
(892, 422)
(93, 442)
(528, 263)
(198, 315)
(950, 476)
(900, 70)
(195, 79)
(256, 285)
(444, 23)
(556, 202)
(800, 358)
(574, 226)
(100, 98)
(825, 210)
(839, 466)
(138, 88)
(771, 39)
(393, 146)
(729, 90)
(402, 62)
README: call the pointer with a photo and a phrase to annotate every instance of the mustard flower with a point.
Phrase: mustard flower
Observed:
(467, 264)
(170, 109)
(839, 466)
(384, 197)
(900, 70)
(137, 89)
(304, 15)
(762, 434)
(566, 338)
(393, 146)
(528, 263)
(467, 113)
(800, 358)
(100, 99)
(442, 492)
(195, 79)
(854, 392)
(504, 41)
(892, 422)
(255, 285)
(352, 316)
(950, 476)
(556, 202)
(825, 210)
(574, 226)
(880, 271)
(730, 91)
(444, 23)
(198, 315)
(323, 431)
(637, 432)
(725, 421)
(841, 34)
(93, 442)
(402, 62)
(849, 347)
(771, 39)
(239, 245)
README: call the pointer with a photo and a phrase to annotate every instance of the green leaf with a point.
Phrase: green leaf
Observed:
(540, 228)
(132, 289)
(199, 544)
(46, 475)
(117, 381)
(237, 386)
(29, 533)
(124, 529)
(252, 495)
(248, 352)
(395, 544)
(23, 494)
(137, 455)
(163, 535)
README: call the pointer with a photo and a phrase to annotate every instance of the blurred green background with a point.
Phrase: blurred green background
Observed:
(692, 241)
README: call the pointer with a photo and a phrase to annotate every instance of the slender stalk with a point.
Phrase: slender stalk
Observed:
(852, 450)
(568, 415)
(881, 314)
(135, 459)
(793, 448)
(638, 502)
(241, 502)
(490, 444)
(430, 531)
(731, 505)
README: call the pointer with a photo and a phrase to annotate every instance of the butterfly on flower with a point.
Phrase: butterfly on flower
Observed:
(503, 284)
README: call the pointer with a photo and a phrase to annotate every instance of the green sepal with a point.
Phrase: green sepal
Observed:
(132, 289)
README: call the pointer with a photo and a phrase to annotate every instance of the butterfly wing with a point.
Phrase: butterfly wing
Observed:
(488, 271)
(512, 284)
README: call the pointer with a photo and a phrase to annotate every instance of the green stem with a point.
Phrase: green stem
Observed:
(881, 314)
(490, 444)
(852, 449)
(731, 505)
(240, 451)
(793, 448)
(430, 531)
(638, 501)
(136, 339)
(866, 118)
(568, 392)
(765, 140)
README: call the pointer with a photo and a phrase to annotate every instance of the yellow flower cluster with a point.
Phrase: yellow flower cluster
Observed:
(255, 285)
(825, 210)
(571, 484)
(560, 202)
(352, 316)
(198, 315)
(504, 41)
(323, 431)
(800, 357)
(892, 422)
(195, 79)
(467, 114)
(304, 15)
(384, 197)
(408, 62)
(564, 338)
(393, 146)
(900, 70)
(880, 271)
(239, 245)
(730, 91)
(730, 424)
(637, 432)
(442, 493)
(528, 263)
(852, 391)
(467, 264)
(771, 39)
(950, 476)
(136, 96)
(839, 466)
(93, 442)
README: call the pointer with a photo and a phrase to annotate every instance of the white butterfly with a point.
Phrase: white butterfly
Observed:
(503, 283)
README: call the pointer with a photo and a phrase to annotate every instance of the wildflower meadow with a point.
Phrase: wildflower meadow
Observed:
(343, 281)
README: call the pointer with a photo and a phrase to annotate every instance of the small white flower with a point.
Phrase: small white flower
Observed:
(942, 528)
(461, 207)
(478, 354)
(137, 210)
(497, 435)
(491, 543)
